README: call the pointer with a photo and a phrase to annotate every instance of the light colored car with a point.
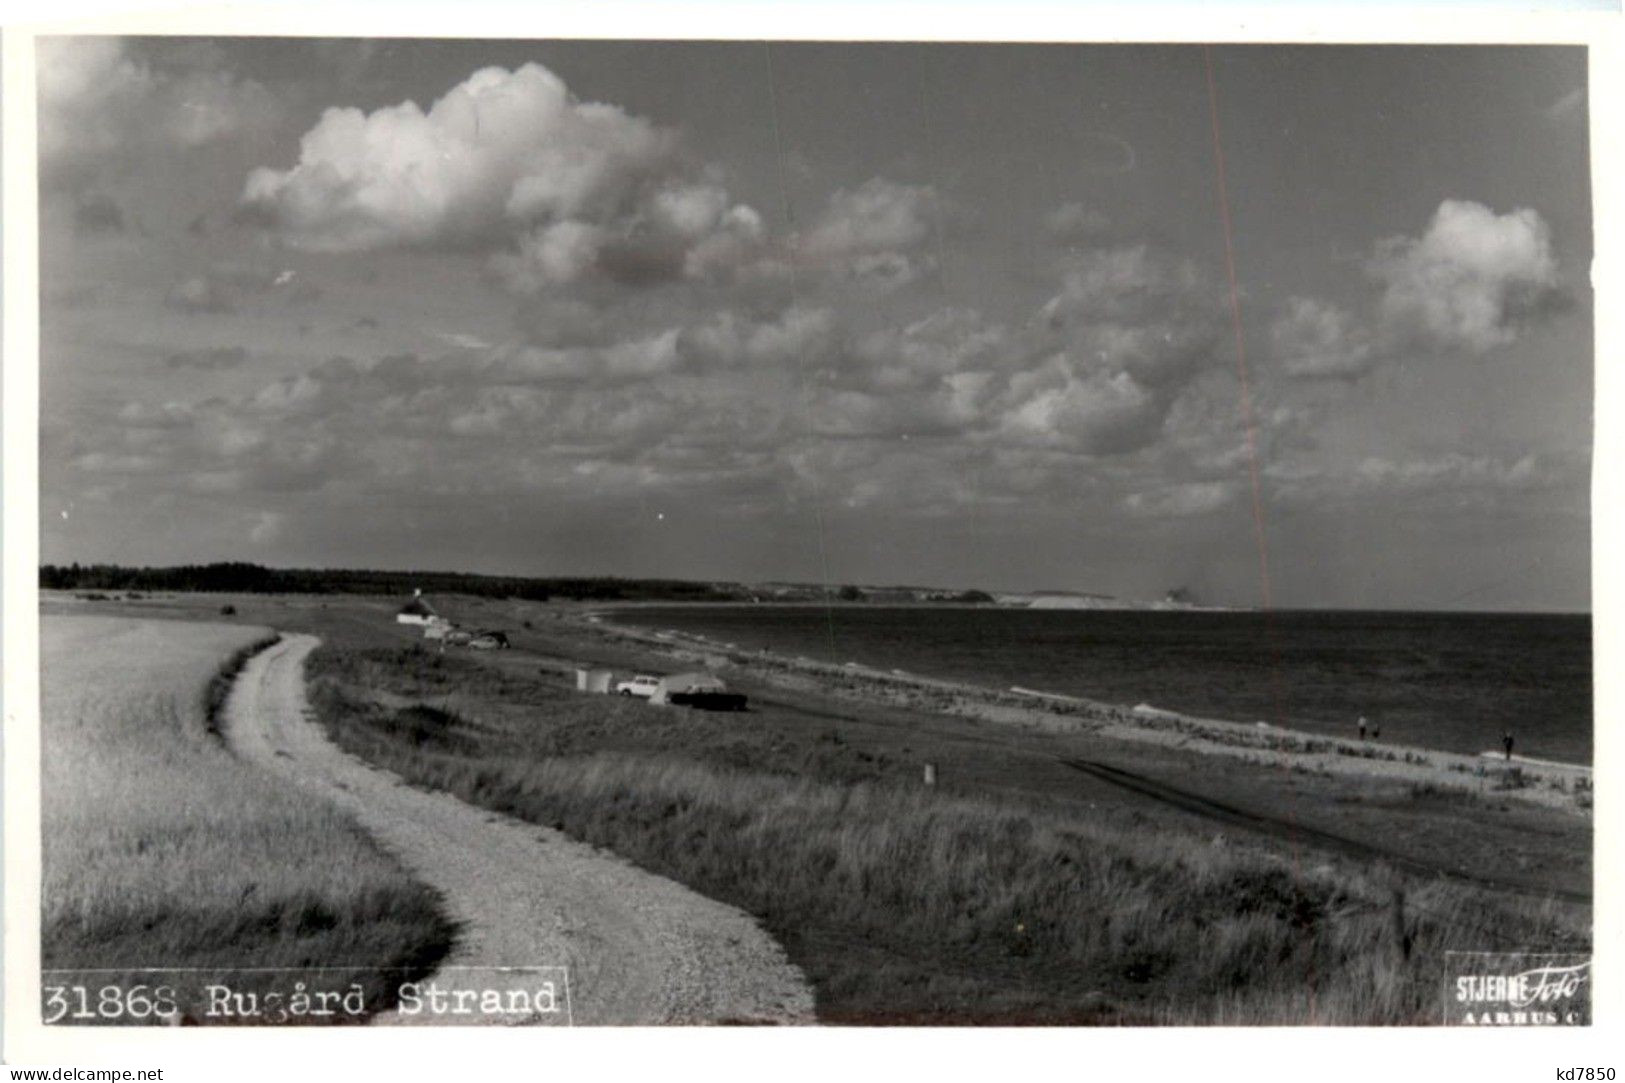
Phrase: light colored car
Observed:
(640, 685)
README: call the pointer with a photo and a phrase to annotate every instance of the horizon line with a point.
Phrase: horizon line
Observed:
(811, 584)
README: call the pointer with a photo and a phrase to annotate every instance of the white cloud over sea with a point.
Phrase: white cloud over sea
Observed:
(377, 288)
(1474, 280)
(100, 105)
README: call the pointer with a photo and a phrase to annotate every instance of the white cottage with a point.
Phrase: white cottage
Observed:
(417, 611)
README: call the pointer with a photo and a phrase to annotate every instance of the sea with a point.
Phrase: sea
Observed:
(1451, 681)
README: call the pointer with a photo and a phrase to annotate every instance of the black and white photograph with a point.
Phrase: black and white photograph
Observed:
(861, 534)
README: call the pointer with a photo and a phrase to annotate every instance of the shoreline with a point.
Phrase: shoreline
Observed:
(1551, 784)
(1527, 780)
(1453, 740)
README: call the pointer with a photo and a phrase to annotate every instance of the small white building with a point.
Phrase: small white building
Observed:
(417, 611)
(594, 680)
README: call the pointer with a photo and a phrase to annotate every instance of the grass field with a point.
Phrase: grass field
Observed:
(162, 850)
(912, 905)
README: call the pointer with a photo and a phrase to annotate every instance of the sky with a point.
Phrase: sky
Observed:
(952, 315)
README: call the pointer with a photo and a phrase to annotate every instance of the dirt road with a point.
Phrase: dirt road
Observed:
(639, 949)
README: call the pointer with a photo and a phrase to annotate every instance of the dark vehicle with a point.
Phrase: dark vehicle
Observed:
(708, 700)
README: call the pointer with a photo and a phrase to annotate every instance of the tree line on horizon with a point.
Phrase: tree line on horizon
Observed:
(235, 577)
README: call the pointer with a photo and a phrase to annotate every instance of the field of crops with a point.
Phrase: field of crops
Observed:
(162, 850)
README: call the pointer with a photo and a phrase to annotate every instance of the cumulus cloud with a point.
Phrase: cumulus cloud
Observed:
(1312, 338)
(723, 341)
(551, 255)
(956, 406)
(1472, 281)
(1094, 411)
(404, 424)
(1181, 500)
(1450, 470)
(874, 232)
(1458, 478)
(917, 356)
(639, 358)
(499, 148)
(797, 338)
(780, 405)
(1108, 356)
(729, 391)
(87, 87)
(1095, 373)
(219, 445)
(877, 216)
(938, 375)
(599, 220)
(561, 190)
(732, 247)
(140, 415)
(100, 105)
(1136, 309)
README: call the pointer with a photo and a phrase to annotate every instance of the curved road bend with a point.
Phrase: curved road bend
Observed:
(639, 949)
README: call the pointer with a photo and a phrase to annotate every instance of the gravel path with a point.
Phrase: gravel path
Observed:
(639, 949)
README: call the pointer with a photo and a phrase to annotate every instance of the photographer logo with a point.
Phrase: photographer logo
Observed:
(1510, 989)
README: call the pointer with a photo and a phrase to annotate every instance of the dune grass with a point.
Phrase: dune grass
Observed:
(162, 850)
(912, 905)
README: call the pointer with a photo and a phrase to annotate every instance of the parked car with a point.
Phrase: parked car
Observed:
(708, 700)
(489, 641)
(705, 691)
(640, 685)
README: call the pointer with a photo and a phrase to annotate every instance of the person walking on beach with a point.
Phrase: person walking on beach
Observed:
(1506, 743)
(1376, 731)
(1362, 727)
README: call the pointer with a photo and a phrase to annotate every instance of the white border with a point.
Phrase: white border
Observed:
(690, 1054)
(821, 20)
(20, 545)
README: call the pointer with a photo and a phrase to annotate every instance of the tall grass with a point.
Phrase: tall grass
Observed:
(911, 905)
(160, 849)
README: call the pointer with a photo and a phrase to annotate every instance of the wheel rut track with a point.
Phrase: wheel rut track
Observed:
(1294, 832)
